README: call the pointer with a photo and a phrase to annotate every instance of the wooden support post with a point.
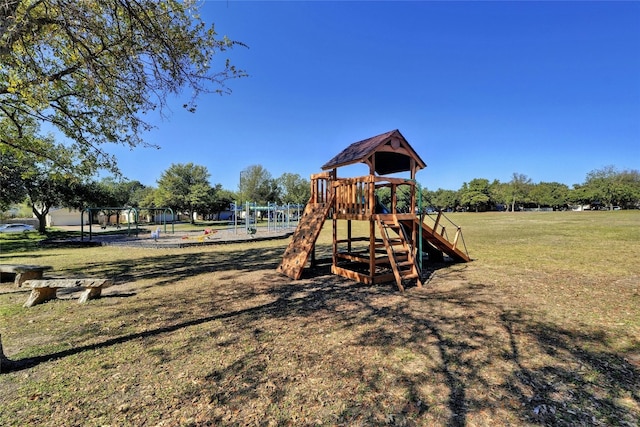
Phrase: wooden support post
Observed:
(416, 253)
(413, 198)
(372, 198)
(455, 239)
(372, 250)
(394, 199)
(334, 261)
(435, 224)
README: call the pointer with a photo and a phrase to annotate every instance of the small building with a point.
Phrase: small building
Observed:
(58, 217)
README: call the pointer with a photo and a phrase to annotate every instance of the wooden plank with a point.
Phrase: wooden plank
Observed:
(353, 275)
(394, 267)
(353, 257)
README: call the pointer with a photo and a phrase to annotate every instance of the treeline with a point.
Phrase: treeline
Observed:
(605, 188)
(185, 188)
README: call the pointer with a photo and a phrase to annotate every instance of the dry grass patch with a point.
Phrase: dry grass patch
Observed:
(213, 336)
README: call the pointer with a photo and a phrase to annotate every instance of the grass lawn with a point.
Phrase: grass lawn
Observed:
(543, 327)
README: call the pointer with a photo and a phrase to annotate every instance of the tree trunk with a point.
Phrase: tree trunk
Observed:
(42, 219)
(4, 362)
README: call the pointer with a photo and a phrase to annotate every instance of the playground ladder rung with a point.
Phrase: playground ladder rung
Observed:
(405, 264)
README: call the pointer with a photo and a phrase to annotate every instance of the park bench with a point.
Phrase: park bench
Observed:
(44, 290)
(21, 272)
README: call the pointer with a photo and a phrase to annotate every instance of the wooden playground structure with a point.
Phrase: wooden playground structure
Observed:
(397, 240)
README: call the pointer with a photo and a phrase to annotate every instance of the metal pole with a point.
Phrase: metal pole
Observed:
(247, 216)
(82, 225)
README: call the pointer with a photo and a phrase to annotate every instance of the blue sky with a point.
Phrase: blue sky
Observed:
(550, 90)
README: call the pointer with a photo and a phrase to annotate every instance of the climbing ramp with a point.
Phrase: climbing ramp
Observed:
(397, 245)
(304, 238)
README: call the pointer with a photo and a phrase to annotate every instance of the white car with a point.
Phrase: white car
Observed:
(16, 228)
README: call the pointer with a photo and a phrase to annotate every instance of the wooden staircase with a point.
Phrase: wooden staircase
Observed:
(304, 238)
(401, 254)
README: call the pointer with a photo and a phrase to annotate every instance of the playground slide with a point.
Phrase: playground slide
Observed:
(304, 239)
(381, 209)
(429, 236)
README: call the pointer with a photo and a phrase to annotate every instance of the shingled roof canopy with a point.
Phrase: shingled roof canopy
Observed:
(385, 154)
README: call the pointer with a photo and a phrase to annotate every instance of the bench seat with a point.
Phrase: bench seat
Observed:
(44, 290)
(23, 272)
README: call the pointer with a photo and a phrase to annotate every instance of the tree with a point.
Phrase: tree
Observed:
(610, 187)
(475, 194)
(630, 182)
(500, 195)
(222, 199)
(383, 196)
(93, 69)
(257, 185)
(444, 199)
(47, 186)
(184, 187)
(294, 188)
(551, 194)
(44, 183)
(518, 189)
(269, 192)
(112, 195)
(140, 196)
(580, 194)
(11, 186)
(427, 198)
(403, 198)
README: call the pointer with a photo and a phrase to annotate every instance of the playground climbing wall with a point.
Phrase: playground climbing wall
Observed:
(304, 238)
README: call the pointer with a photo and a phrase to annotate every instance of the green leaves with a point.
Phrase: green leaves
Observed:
(93, 69)
(185, 187)
(294, 188)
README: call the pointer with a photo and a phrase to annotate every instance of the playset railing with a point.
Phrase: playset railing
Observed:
(320, 187)
(441, 224)
(353, 196)
(356, 197)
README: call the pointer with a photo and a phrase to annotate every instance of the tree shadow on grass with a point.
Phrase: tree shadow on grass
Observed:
(165, 269)
(491, 361)
(580, 381)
